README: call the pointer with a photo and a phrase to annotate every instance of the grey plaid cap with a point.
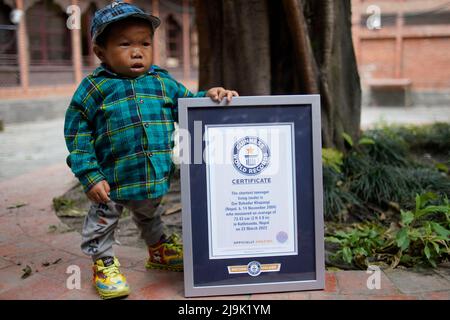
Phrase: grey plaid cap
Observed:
(118, 10)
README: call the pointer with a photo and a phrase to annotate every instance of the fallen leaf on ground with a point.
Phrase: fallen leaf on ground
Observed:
(333, 269)
(26, 272)
(71, 213)
(174, 209)
(46, 263)
(17, 205)
(60, 228)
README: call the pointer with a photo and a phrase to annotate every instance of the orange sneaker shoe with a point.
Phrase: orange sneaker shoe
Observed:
(167, 254)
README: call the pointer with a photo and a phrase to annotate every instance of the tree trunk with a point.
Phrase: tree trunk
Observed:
(234, 49)
(261, 47)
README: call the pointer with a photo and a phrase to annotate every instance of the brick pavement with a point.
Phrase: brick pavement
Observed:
(31, 234)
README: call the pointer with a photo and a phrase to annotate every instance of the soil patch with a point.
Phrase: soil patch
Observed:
(72, 207)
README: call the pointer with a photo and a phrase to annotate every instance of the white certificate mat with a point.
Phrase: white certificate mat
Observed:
(251, 190)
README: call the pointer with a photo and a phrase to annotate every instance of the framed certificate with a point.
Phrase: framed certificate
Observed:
(251, 184)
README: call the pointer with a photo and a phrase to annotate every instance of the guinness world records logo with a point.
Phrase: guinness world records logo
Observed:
(254, 268)
(251, 155)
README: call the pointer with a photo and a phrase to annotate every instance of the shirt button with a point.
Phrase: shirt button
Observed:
(146, 125)
(141, 101)
(150, 154)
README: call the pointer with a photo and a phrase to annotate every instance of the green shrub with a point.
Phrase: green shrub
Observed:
(371, 168)
(380, 184)
(379, 169)
(337, 198)
(433, 137)
(422, 237)
(332, 158)
(422, 180)
(359, 242)
(373, 179)
(386, 148)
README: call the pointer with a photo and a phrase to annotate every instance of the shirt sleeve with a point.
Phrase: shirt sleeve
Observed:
(80, 142)
(183, 92)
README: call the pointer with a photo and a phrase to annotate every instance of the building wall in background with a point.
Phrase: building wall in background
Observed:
(43, 57)
(407, 57)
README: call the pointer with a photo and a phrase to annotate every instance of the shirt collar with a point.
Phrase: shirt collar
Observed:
(104, 69)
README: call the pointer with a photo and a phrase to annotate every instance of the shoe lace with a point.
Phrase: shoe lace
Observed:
(173, 246)
(175, 238)
(174, 242)
(111, 271)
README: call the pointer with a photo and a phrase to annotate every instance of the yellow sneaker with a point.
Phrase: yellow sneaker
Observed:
(167, 254)
(108, 280)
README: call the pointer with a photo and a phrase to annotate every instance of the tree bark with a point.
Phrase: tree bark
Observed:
(302, 44)
(234, 53)
(284, 47)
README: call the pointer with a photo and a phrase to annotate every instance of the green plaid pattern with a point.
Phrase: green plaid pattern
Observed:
(120, 130)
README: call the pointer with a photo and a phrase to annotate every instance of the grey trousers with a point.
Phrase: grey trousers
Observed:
(102, 219)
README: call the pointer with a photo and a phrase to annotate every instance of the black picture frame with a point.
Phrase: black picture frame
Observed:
(304, 270)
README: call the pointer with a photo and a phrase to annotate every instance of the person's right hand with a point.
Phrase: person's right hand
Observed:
(100, 192)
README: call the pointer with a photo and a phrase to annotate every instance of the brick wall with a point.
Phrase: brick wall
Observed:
(427, 63)
(412, 47)
(376, 58)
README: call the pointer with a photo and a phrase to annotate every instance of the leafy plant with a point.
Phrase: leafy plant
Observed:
(359, 242)
(422, 237)
(332, 158)
(377, 180)
(377, 170)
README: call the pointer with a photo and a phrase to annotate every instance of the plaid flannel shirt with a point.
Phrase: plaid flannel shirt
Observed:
(120, 130)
